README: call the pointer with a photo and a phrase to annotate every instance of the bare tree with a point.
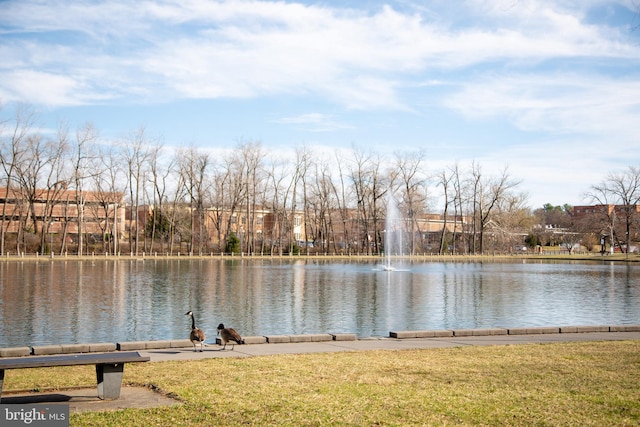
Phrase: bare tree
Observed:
(216, 213)
(343, 194)
(84, 152)
(458, 203)
(323, 202)
(371, 187)
(469, 187)
(277, 176)
(252, 157)
(176, 217)
(487, 195)
(413, 191)
(57, 182)
(381, 185)
(303, 163)
(623, 189)
(194, 167)
(233, 185)
(498, 191)
(361, 180)
(109, 189)
(136, 152)
(13, 152)
(40, 154)
(444, 178)
(159, 177)
(510, 222)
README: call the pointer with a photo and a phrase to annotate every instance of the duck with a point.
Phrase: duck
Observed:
(229, 334)
(197, 335)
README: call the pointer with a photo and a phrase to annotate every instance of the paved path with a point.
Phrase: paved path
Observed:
(250, 350)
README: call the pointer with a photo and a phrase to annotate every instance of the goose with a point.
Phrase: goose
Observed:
(197, 334)
(229, 334)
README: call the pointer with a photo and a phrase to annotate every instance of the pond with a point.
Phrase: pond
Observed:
(104, 300)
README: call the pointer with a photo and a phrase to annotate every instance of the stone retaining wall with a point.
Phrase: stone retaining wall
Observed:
(161, 344)
(512, 331)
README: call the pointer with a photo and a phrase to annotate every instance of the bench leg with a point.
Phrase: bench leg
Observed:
(1, 381)
(109, 380)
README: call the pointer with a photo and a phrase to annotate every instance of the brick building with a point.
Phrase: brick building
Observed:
(61, 211)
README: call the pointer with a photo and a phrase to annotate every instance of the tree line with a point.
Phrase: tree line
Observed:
(196, 195)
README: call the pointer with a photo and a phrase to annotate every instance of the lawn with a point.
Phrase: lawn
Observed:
(566, 384)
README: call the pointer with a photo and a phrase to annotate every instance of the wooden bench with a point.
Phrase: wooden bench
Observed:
(109, 367)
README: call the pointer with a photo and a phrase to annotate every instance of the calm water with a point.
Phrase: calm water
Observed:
(113, 301)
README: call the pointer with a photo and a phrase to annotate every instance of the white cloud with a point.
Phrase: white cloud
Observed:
(311, 118)
(314, 122)
(203, 49)
(49, 89)
(297, 51)
(554, 103)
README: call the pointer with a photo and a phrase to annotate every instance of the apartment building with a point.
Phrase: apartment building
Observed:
(61, 211)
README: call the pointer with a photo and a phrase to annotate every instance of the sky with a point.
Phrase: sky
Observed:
(548, 89)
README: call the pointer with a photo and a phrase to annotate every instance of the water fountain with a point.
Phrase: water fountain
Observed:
(392, 232)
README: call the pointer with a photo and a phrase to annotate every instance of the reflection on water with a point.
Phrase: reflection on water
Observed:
(112, 301)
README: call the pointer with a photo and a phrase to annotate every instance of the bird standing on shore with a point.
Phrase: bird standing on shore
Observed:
(229, 334)
(197, 335)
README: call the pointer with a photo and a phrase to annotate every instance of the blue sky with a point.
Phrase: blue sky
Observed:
(549, 89)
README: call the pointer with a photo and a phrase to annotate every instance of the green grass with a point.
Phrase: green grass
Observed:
(568, 384)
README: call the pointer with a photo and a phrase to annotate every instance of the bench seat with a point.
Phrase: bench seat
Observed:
(109, 367)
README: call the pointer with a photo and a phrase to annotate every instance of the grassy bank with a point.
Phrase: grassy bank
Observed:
(586, 384)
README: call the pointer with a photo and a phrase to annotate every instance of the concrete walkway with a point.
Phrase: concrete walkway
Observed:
(252, 350)
(81, 400)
